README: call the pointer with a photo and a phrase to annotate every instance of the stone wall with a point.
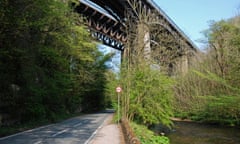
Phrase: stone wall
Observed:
(128, 133)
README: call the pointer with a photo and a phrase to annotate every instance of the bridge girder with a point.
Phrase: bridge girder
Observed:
(107, 20)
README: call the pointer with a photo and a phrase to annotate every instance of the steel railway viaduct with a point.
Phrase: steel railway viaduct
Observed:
(107, 20)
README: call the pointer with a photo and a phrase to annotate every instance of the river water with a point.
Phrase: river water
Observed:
(195, 133)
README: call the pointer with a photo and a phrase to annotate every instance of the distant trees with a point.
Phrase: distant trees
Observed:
(224, 49)
(210, 92)
(49, 64)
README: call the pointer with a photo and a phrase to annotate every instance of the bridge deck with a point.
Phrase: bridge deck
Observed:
(108, 18)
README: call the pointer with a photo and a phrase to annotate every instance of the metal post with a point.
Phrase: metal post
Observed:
(118, 107)
(118, 90)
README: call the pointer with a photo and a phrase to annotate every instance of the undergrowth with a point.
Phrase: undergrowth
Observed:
(147, 136)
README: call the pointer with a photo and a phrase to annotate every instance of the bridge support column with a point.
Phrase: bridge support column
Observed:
(183, 65)
(143, 36)
(139, 47)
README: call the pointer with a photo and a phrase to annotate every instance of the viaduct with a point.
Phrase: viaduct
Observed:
(108, 22)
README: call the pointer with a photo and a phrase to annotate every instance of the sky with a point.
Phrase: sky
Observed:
(193, 16)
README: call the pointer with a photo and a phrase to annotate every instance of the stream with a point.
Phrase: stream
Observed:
(195, 133)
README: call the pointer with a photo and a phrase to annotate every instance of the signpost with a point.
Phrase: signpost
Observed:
(118, 90)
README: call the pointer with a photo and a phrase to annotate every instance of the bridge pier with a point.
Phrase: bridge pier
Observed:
(139, 47)
(146, 41)
(182, 65)
(143, 41)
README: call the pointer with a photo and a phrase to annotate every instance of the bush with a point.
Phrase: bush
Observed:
(220, 110)
(147, 136)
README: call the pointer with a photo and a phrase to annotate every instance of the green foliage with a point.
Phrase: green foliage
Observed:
(221, 109)
(111, 98)
(147, 93)
(151, 97)
(209, 76)
(147, 136)
(147, 96)
(49, 64)
(210, 91)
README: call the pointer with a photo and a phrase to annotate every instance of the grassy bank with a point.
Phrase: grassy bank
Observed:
(147, 136)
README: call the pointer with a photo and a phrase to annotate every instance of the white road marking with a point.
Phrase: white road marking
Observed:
(76, 125)
(31, 130)
(95, 132)
(60, 132)
(38, 142)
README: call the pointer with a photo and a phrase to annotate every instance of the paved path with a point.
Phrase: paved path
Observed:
(108, 134)
(78, 130)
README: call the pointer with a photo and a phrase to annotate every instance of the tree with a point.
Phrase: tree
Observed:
(147, 93)
(209, 92)
(49, 64)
